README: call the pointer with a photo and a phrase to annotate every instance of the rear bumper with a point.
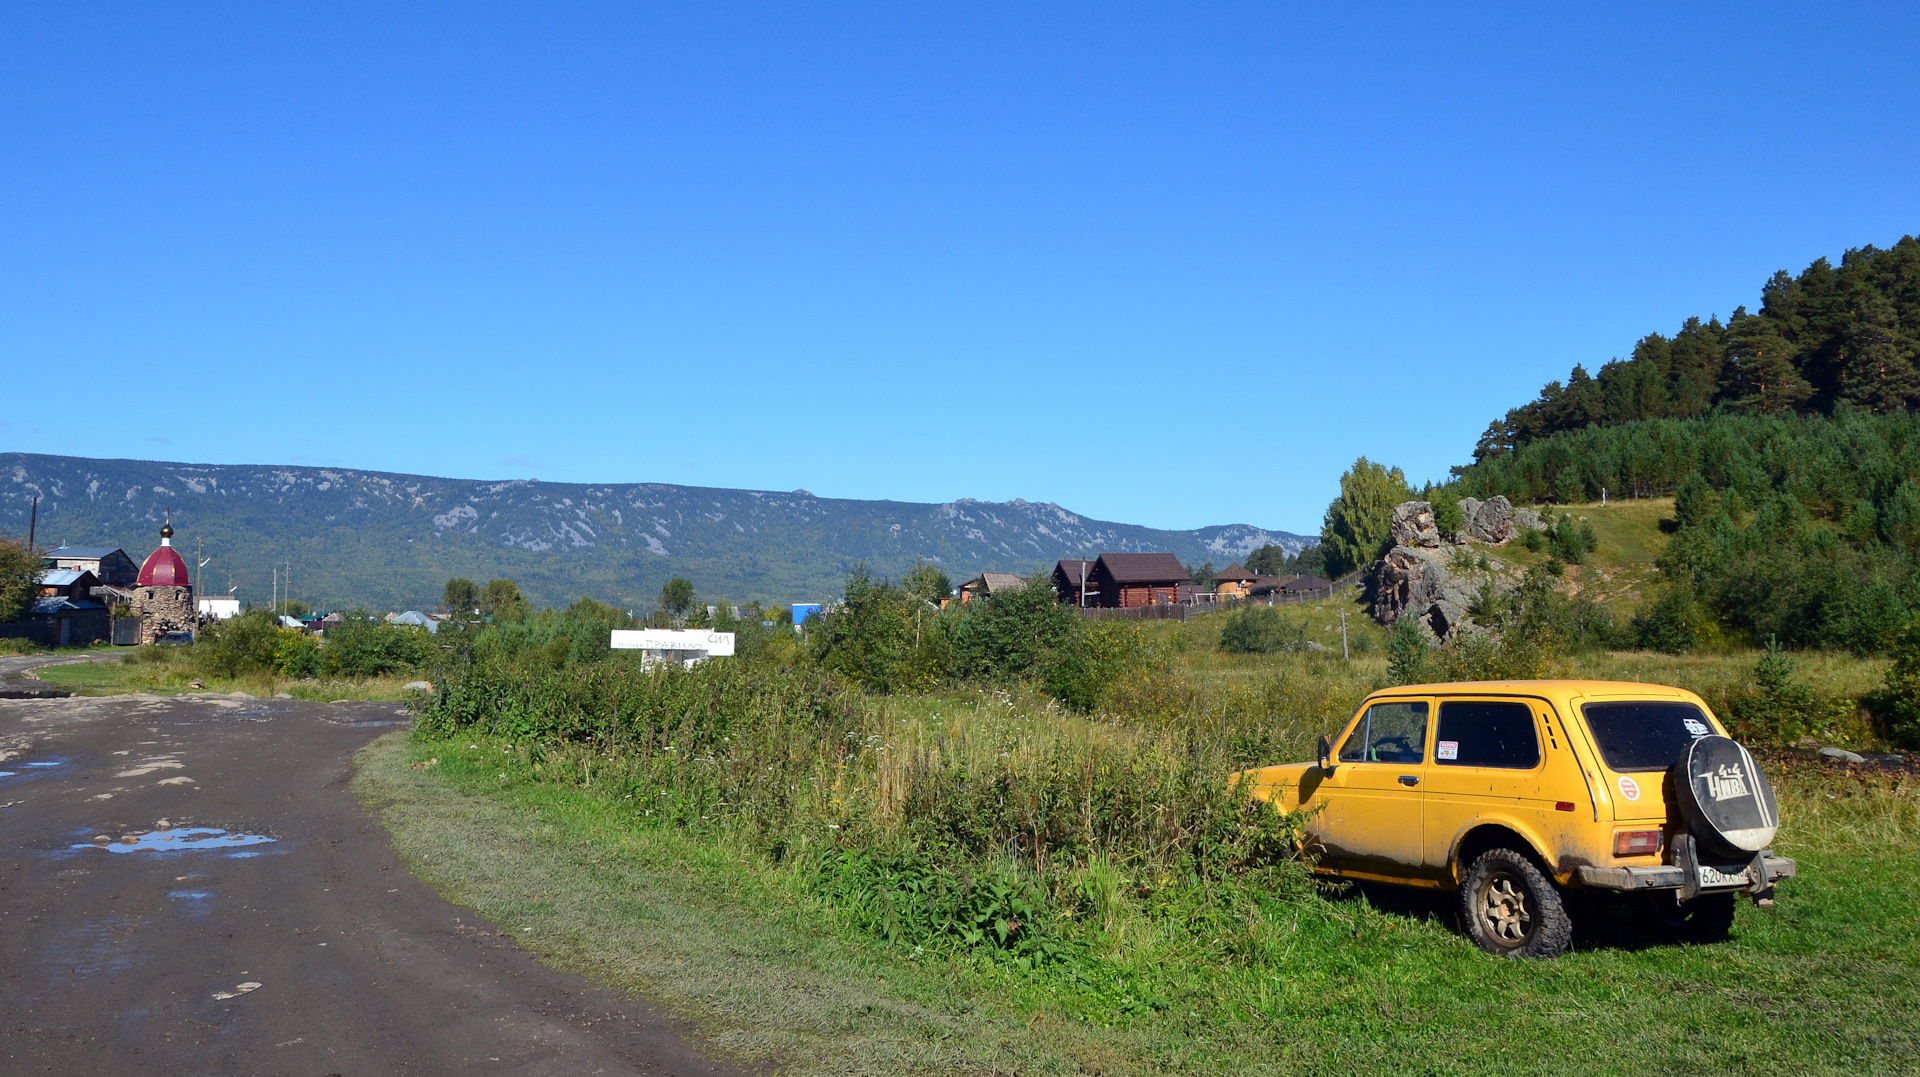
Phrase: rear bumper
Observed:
(1674, 876)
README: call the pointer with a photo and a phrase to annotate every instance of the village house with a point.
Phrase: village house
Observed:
(1129, 580)
(988, 584)
(1071, 583)
(68, 613)
(1233, 581)
(110, 565)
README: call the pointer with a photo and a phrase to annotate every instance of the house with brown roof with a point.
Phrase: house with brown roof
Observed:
(1128, 580)
(1072, 583)
(1233, 581)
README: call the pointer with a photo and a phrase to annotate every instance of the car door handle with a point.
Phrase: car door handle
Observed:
(1409, 779)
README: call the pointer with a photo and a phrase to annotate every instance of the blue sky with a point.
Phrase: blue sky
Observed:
(1174, 265)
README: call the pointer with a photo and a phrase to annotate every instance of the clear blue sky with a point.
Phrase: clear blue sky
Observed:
(1173, 264)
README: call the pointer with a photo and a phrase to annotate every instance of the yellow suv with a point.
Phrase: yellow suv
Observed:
(1515, 792)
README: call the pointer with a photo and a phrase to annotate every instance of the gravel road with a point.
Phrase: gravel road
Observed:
(188, 886)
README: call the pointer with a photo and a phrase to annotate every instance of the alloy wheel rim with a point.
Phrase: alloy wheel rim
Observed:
(1504, 910)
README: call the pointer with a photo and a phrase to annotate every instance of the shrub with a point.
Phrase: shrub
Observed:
(362, 646)
(1901, 696)
(882, 637)
(1406, 653)
(1015, 635)
(297, 655)
(238, 645)
(1671, 624)
(1259, 630)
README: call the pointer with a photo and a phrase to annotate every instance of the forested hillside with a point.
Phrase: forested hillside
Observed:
(1832, 338)
(391, 541)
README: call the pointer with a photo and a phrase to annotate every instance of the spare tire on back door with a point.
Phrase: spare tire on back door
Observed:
(1725, 800)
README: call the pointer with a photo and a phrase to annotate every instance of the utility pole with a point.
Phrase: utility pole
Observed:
(33, 525)
(1345, 654)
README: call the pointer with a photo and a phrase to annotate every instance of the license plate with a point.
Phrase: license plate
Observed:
(1712, 876)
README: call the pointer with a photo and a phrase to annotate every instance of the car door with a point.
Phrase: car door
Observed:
(1370, 822)
(1492, 764)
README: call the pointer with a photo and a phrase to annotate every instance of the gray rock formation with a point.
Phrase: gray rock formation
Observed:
(1529, 519)
(1491, 521)
(1413, 525)
(1415, 582)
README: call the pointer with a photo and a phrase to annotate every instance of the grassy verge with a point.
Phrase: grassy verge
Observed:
(1305, 982)
(136, 672)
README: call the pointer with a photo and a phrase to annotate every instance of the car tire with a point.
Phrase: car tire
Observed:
(1510, 909)
(1705, 919)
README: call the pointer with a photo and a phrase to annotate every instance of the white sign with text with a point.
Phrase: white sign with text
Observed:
(715, 644)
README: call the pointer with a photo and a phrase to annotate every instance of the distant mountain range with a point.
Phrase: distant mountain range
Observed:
(385, 541)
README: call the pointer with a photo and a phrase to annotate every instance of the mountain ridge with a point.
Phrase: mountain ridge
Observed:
(391, 540)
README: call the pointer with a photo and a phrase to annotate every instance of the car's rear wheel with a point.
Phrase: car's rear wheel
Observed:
(1509, 908)
(1707, 918)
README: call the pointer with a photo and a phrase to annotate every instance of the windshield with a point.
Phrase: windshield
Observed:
(1644, 735)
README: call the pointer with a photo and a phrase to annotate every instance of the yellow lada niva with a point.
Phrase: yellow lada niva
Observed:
(1516, 792)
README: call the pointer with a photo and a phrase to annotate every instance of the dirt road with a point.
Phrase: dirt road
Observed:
(187, 886)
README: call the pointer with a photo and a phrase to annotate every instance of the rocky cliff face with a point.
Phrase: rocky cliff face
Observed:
(1424, 576)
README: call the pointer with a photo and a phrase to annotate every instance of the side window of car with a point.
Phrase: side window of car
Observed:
(1476, 734)
(1388, 733)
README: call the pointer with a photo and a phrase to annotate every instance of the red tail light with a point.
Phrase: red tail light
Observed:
(1564, 805)
(1636, 842)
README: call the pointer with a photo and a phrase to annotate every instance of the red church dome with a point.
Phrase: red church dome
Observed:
(163, 567)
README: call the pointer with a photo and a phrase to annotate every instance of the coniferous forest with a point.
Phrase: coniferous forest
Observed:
(1832, 338)
(1788, 438)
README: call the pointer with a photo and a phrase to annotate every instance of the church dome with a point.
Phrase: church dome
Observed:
(163, 567)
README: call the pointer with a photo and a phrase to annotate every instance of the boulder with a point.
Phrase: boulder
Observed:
(1529, 519)
(1413, 525)
(1841, 755)
(1492, 521)
(1414, 581)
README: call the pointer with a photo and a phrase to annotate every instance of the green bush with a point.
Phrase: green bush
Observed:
(362, 646)
(1260, 630)
(1671, 624)
(1016, 635)
(1901, 697)
(297, 655)
(238, 645)
(882, 637)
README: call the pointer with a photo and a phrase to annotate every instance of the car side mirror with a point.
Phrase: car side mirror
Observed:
(1326, 756)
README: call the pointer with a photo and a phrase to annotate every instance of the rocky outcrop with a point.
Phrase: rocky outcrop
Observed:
(1413, 525)
(1421, 577)
(1416, 582)
(1529, 519)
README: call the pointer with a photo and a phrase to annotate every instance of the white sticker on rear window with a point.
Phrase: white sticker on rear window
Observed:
(1447, 749)
(1697, 727)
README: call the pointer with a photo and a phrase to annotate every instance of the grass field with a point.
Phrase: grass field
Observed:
(156, 671)
(1311, 981)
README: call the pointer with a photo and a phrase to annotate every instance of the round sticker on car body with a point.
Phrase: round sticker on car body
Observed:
(1629, 788)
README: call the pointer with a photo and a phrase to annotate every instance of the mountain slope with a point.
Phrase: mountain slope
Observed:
(391, 541)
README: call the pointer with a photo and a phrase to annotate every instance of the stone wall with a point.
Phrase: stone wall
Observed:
(162, 610)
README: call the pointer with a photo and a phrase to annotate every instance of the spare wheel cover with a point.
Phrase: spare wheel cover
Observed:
(1723, 795)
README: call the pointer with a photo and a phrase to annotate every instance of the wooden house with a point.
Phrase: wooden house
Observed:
(1128, 580)
(1233, 581)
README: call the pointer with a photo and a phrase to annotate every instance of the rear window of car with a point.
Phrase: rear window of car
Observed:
(1474, 734)
(1644, 735)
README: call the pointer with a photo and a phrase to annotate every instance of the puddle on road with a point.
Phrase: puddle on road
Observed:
(31, 770)
(180, 839)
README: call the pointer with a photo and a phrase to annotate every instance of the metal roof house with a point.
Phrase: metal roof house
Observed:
(109, 563)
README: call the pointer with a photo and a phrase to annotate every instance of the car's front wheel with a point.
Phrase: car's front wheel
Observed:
(1509, 908)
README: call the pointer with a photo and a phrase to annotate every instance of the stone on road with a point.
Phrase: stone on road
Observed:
(188, 886)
